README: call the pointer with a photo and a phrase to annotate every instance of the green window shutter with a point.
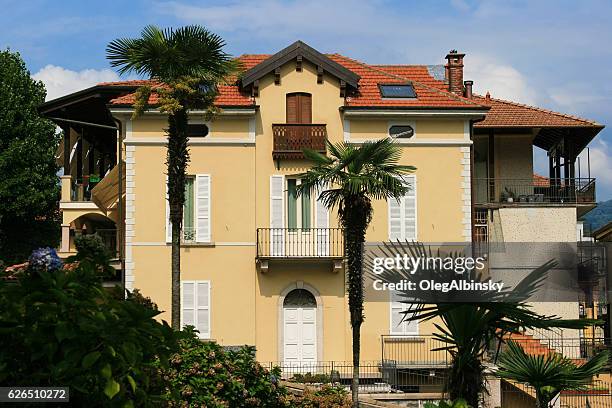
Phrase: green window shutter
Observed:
(291, 204)
(188, 211)
(306, 210)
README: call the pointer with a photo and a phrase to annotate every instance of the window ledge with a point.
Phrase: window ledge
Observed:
(194, 244)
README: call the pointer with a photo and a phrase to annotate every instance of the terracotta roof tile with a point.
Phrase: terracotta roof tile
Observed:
(428, 93)
(431, 93)
(512, 114)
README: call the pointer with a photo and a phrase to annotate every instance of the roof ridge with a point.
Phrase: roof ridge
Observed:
(402, 65)
(537, 108)
(446, 93)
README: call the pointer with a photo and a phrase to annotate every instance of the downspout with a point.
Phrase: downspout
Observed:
(472, 183)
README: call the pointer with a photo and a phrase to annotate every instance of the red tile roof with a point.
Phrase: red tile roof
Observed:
(511, 114)
(431, 93)
(428, 94)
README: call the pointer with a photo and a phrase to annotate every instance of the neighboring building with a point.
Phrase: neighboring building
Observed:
(263, 267)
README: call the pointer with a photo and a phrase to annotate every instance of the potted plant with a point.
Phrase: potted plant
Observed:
(507, 195)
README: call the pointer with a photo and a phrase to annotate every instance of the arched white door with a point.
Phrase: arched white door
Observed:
(300, 327)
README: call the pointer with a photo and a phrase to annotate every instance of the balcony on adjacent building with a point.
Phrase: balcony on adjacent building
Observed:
(534, 191)
(301, 244)
(290, 139)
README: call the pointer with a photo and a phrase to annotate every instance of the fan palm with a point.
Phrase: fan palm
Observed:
(548, 374)
(469, 329)
(349, 179)
(185, 65)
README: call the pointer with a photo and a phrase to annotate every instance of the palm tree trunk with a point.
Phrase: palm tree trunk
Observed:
(176, 276)
(355, 216)
(176, 160)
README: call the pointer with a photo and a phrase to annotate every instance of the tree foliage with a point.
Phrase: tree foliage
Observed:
(29, 188)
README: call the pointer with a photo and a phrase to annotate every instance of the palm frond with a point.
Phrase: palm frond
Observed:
(371, 170)
(168, 54)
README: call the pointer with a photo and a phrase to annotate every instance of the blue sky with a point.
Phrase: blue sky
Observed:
(554, 54)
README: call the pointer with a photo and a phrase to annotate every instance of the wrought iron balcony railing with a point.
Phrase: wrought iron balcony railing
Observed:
(290, 139)
(300, 243)
(534, 191)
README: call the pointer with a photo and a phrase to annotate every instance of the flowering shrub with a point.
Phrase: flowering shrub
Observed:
(327, 397)
(204, 374)
(45, 259)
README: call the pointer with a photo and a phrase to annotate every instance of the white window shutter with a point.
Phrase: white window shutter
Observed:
(195, 306)
(277, 215)
(188, 304)
(397, 310)
(203, 308)
(395, 219)
(322, 225)
(403, 214)
(410, 214)
(168, 223)
(203, 204)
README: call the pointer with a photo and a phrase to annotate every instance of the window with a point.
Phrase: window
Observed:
(298, 208)
(399, 325)
(196, 210)
(299, 107)
(195, 306)
(401, 131)
(397, 91)
(197, 130)
(403, 214)
(189, 211)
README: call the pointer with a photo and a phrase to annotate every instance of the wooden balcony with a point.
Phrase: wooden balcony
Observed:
(290, 139)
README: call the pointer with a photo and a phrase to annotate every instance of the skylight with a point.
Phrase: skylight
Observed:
(397, 91)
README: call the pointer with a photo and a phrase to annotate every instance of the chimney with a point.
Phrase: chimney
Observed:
(468, 89)
(454, 69)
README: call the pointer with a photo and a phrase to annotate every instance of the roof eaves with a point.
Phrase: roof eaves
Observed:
(292, 51)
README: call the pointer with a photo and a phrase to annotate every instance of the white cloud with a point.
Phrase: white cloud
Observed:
(601, 164)
(502, 80)
(61, 81)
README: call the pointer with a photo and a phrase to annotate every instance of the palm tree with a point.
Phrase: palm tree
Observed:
(349, 179)
(468, 330)
(185, 66)
(548, 374)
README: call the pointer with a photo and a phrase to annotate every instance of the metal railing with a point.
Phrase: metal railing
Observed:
(300, 242)
(417, 352)
(374, 376)
(534, 191)
(189, 235)
(291, 138)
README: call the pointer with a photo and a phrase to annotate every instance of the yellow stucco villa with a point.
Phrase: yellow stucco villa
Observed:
(263, 267)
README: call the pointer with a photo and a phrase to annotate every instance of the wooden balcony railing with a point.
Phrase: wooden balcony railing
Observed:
(291, 138)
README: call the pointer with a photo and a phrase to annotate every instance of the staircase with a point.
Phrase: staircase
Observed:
(540, 347)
